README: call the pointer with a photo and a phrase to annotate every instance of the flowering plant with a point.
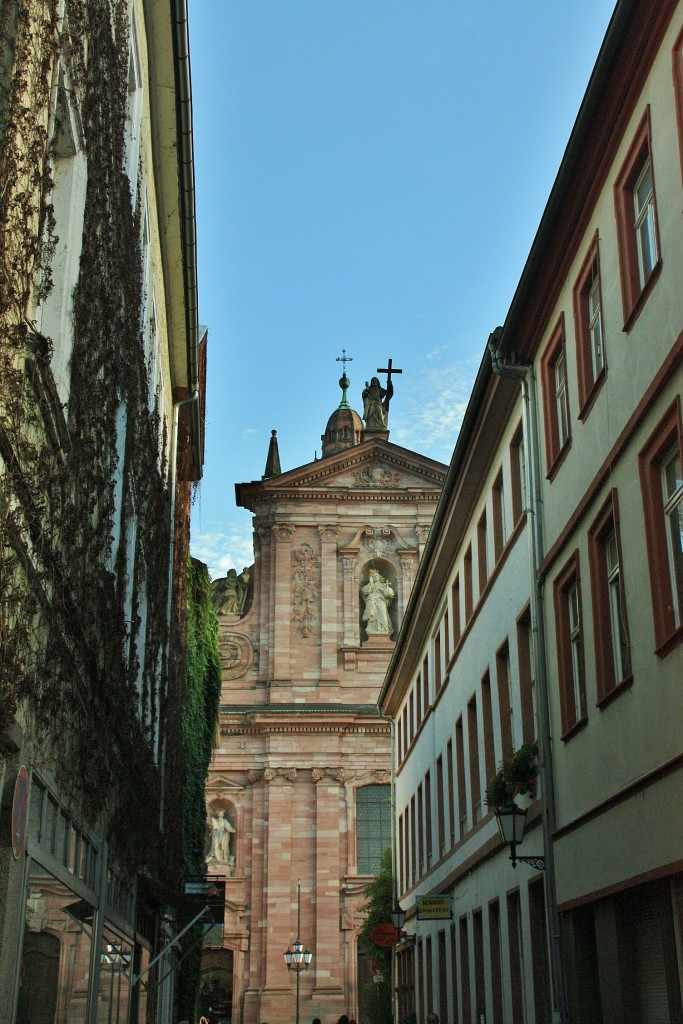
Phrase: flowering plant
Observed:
(517, 775)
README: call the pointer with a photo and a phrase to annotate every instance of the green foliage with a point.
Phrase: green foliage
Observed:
(377, 910)
(70, 665)
(199, 718)
(516, 776)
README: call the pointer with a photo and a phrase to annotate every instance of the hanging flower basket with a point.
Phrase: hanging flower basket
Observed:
(516, 776)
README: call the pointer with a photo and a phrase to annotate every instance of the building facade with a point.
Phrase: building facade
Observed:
(591, 346)
(102, 368)
(303, 771)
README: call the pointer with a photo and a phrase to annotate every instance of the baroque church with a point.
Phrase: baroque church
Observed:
(299, 791)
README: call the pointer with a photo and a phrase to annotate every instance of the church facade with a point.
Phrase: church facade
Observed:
(302, 775)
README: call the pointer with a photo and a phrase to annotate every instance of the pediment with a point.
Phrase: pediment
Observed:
(220, 785)
(372, 467)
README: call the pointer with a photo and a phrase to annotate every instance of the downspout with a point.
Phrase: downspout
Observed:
(523, 372)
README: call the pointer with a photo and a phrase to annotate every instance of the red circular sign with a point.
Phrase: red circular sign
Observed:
(384, 935)
(19, 812)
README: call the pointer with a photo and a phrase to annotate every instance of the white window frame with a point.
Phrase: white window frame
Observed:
(574, 621)
(644, 224)
(673, 516)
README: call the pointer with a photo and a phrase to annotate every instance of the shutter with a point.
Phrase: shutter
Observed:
(650, 909)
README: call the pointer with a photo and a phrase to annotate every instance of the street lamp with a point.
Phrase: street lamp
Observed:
(297, 958)
(398, 916)
(511, 823)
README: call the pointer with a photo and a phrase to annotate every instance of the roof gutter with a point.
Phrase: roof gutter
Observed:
(181, 45)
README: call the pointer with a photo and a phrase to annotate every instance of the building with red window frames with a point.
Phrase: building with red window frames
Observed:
(591, 348)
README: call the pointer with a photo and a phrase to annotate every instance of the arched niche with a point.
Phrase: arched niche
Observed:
(221, 835)
(387, 573)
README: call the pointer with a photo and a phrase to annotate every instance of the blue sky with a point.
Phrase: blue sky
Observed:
(370, 177)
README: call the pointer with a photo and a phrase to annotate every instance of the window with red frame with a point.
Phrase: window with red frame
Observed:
(677, 67)
(612, 649)
(467, 572)
(455, 605)
(636, 213)
(555, 400)
(661, 481)
(518, 473)
(499, 525)
(588, 324)
(570, 654)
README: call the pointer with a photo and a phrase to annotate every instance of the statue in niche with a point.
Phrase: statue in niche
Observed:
(242, 590)
(377, 595)
(376, 404)
(229, 593)
(224, 594)
(221, 830)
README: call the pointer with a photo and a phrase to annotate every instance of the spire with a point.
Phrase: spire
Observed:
(344, 425)
(273, 460)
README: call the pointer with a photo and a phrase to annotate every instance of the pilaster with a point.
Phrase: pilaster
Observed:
(329, 626)
(281, 555)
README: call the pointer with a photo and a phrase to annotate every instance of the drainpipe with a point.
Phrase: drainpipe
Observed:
(521, 371)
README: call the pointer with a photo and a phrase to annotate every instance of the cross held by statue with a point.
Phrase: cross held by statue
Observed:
(388, 369)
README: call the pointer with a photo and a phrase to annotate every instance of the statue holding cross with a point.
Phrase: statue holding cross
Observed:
(376, 399)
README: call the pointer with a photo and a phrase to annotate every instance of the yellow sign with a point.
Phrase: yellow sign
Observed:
(434, 908)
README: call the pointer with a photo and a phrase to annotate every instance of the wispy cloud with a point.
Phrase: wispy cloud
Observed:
(432, 414)
(223, 548)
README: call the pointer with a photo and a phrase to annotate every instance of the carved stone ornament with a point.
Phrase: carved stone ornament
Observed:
(270, 774)
(306, 588)
(349, 568)
(283, 531)
(255, 774)
(236, 654)
(422, 533)
(338, 774)
(382, 778)
(328, 532)
(407, 569)
(378, 541)
(377, 475)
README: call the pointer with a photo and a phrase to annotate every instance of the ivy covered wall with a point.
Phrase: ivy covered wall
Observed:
(199, 720)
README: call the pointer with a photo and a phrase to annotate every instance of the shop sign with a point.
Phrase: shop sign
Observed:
(19, 812)
(434, 908)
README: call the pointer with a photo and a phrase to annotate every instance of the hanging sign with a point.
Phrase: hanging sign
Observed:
(434, 908)
(19, 812)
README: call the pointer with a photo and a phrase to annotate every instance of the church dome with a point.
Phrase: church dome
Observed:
(344, 426)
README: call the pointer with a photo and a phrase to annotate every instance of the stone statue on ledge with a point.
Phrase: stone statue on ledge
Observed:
(377, 595)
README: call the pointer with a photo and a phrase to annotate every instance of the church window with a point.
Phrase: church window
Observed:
(373, 827)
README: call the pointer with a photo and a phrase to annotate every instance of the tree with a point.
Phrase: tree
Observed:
(377, 910)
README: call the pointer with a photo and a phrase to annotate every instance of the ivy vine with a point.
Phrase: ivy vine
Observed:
(70, 669)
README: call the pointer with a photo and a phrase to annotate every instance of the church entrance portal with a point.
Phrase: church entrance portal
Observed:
(215, 987)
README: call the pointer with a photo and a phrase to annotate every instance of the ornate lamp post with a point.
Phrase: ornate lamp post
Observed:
(298, 958)
(511, 823)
